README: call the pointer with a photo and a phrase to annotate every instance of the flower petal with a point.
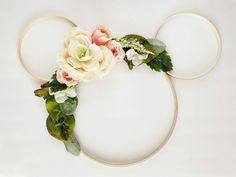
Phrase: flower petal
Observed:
(136, 62)
(60, 97)
(131, 54)
(70, 92)
(91, 65)
(95, 52)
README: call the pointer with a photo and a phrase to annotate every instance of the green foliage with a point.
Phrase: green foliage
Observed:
(60, 123)
(43, 92)
(136, 42)
(140, 45)
(157, 45)
(53, 107)
(72, 145)
(45, 85)
(68, 107)
(62, 127)
(162, 62)
(56, 86)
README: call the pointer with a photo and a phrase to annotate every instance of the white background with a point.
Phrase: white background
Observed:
(204, 141)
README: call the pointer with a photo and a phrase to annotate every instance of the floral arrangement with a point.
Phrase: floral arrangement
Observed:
(86, 56)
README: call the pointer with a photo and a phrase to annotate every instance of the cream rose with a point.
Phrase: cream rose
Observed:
(82, 59)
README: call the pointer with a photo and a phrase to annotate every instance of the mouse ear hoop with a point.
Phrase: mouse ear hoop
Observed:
(23, 33)
(217, 36)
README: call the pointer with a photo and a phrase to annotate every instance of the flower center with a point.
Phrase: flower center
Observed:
(67, 77)
(114, 51)
(82, 53)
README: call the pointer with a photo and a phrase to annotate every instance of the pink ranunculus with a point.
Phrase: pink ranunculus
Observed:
(116, 50)
(64, 78)
(101, 35)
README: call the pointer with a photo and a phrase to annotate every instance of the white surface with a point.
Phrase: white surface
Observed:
(41, 44)
(191, 42)
(125, 116)
(204, 140)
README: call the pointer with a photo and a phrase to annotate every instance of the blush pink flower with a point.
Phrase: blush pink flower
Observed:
(116, 49)
(64, 78)
(101, 35)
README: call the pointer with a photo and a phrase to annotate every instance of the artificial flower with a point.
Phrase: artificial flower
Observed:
(82, 59)
(116, 50)
(61, 96)
(101, 35)
(135, 57)
(65, 78)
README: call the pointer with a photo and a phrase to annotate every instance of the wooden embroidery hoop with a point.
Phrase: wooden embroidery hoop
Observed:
(213, 28)
(166, 76)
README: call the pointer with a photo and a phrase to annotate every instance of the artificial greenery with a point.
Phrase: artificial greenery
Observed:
(161, 62)
(62, 127)
(68, 107)
(56, 86)
(139, 43)
(158, 59)
(157, 45)
(60, 122)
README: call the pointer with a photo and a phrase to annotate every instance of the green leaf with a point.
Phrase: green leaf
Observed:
(149, 58)
(53, 130)
(61, 128)
(136, 42)
(53, 107)
(56, 86)
(68, 107)
(59, 125)
(157, 45)
(161, 62)
(42, 92)
(45, 85)
(140, 44)
(72, 145)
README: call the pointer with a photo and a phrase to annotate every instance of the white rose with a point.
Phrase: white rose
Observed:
(82, 59)
(136, 58)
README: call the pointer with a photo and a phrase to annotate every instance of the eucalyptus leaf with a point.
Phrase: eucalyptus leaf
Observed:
(53, 107)
(68, 107)
(53, 130)
(72, 145)
(61, 128)
(158, 45)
